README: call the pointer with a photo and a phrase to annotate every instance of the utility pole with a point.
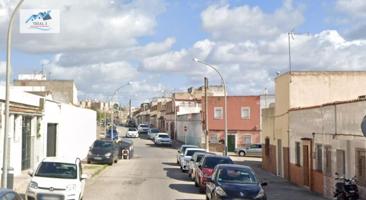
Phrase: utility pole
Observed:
(206, 116)
(129, 109)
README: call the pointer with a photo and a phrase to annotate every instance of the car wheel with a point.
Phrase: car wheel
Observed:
(115, 161)
(241, 153)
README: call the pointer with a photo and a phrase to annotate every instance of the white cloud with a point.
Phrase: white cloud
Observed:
(2, 68)
(245, 22)
(90, 25)
(356, 8)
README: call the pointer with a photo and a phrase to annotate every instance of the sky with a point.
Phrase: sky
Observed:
(104, 44)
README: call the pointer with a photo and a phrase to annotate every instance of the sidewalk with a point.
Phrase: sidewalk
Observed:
(21, 182)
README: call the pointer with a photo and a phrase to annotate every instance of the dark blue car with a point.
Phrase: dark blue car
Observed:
(231, 181)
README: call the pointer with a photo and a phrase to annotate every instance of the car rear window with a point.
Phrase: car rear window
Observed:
(154, 130)
(199, 157)
(211, 162)
(191, 152)
(163, 136)
(131, 129)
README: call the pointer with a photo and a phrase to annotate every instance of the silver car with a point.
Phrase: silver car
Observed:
(252, 150)
(181, 151)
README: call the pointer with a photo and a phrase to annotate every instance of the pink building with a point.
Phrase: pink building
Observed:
(243, 121)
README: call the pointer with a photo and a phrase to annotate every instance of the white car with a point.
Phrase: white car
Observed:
(162, 139)
(143, 128)
(57, 178)
(132, 132)
(152, 133)
(181, 151)
(188, 153)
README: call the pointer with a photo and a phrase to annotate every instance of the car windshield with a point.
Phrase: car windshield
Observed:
(199, 157)
(232, 175)
(57, 170)
(163, 136)
(102, 144)
(191, 152)
(211, 162)
(131, 129)
(154, 130)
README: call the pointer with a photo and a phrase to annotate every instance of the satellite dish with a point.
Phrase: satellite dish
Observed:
(363, 126)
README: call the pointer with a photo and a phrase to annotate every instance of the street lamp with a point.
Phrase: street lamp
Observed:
(112, 97)
(4, 179)
(225, 99)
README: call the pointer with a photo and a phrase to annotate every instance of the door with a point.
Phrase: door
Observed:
(231, 143)
(26, 142)
(306, 164)
(51, 139)
(279, 156)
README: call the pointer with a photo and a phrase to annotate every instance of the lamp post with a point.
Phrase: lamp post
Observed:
(4, 179)
(112, 97)
(225, 99)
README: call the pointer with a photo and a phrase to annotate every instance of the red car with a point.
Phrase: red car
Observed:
(206, 168)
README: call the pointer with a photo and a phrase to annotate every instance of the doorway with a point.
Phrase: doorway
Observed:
(306, 165)
(279, 155)
(26, 142)
(231, 143)
(51, 139)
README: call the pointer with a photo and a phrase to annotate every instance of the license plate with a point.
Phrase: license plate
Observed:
(351, 191)
(97, 158)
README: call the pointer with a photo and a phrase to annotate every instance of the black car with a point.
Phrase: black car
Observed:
(230, 181)
(8, 194)
(103, 151)
(125, 144)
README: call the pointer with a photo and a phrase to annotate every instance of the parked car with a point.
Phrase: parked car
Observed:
(234, 182)
(132, 132)
(143, 128)
(125, 144)
(103, 151)
(206, 167)
(152, 133)
(252, 150)
(112, 134)
(163, 139)
(56, 178)
(188, 153)
(181, 151)
(193, 163)
(7, 194)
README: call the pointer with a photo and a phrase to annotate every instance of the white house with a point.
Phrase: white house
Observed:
(41, 127)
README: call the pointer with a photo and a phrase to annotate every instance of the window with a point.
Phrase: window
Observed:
(297, 151)
(247, 140)
(341, 165)
(328, 161)
(319, 157)
(361, 166)
(266, 146)
(218, 113)
(245, 112)
(213, 138)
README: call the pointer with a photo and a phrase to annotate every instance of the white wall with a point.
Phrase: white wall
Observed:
(194, 132)
(76, 129)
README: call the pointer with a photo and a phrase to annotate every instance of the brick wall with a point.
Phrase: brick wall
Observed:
(296, 174)
(317, 184)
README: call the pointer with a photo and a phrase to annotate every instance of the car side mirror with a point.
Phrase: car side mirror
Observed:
(264, 184)
(84, 176)
(30, 172)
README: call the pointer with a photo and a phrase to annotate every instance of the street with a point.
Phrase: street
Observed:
(154, 174)
(151, 174)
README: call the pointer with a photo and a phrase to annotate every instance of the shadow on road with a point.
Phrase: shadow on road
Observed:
(169, 163)
(176, 173)
(186, 188)
(159, 146)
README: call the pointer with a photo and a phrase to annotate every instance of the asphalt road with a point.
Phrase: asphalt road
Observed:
(151, 174)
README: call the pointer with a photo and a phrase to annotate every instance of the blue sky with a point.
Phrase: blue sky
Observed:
(154, 47)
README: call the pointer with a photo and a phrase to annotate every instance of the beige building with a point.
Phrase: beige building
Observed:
(298, 90)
